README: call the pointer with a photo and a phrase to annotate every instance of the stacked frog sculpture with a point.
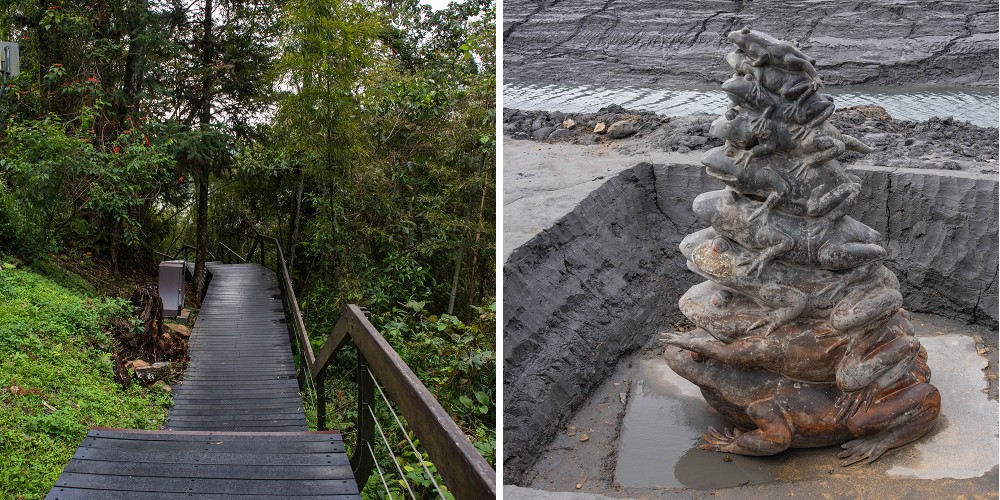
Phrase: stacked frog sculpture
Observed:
(801, 339)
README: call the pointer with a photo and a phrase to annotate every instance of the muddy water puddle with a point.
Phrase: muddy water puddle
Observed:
(975, 105)
(664, 419)
(660, 432)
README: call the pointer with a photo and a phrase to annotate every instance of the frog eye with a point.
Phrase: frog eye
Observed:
(720, 245)
(745, 31)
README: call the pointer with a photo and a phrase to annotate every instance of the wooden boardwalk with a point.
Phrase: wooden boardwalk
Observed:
(237, 429)
(241, 376)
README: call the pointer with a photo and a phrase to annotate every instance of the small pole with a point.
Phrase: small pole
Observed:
(320, 401)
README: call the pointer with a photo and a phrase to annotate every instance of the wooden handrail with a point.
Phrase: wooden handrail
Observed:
(289, 293)
(465, 471)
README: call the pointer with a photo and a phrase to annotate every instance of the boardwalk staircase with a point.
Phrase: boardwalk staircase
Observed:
(238, 429)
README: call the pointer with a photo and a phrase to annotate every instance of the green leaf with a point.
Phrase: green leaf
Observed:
(482, 397)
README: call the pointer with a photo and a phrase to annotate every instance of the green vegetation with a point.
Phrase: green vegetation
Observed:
(360, 133)
(56, 380)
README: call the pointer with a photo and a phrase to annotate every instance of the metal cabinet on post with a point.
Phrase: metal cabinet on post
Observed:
(171, 287)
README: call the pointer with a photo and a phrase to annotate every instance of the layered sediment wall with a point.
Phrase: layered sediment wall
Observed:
(646, 42)
(604, 279)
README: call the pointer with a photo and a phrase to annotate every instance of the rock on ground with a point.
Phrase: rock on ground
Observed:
(938, 143)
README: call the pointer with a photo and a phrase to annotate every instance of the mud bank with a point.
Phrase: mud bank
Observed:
(938, 143)
(648, 42)
(606, 278)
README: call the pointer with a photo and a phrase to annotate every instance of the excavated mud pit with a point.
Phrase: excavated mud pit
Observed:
(591, 407)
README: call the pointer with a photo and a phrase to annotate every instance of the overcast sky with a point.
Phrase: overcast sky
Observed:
(437, 4)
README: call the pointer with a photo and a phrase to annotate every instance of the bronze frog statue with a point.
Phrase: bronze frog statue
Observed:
(784, 292)
(840, 244)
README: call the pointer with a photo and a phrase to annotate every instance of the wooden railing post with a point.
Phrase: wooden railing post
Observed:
(320, 402)
(362, 459)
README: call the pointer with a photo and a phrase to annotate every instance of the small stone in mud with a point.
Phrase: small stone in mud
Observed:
(560, 134)
(568, 124)
(578, 486)
(600, 128)
(584, 438)
(542, 133)
(621, 130)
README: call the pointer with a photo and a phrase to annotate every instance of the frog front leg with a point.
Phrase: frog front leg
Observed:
(832, 204)
(747, 352)
(823, 148)
(787, 303)
(773, 434)
(777, 244)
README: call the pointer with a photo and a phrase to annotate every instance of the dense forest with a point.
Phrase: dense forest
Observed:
(359, 133)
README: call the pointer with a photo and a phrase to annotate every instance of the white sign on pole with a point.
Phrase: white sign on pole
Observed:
(10, 60)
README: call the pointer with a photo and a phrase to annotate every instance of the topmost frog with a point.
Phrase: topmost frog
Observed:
(762, 48)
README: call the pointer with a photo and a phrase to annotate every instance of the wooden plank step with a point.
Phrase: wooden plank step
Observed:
(148, 464)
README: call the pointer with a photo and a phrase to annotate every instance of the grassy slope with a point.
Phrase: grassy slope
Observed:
(53, 351)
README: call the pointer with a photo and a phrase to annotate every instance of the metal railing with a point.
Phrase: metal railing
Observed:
(230, 256)
(183, 252)
(465, 471)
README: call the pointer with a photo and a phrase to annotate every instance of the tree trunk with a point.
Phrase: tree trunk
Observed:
(204, 168)
(296, 215)
(202, 231)
(116, 238)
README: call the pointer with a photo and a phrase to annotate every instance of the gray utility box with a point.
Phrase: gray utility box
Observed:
(171, 287)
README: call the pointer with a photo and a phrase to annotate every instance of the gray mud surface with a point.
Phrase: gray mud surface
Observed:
(619, 42)
(938, 143)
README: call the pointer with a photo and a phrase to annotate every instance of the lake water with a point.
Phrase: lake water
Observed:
(979, 106)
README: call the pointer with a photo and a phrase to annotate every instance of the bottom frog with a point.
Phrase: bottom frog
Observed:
(773, 412)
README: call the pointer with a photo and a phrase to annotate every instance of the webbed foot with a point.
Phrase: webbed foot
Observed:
(762, 322)
(860, 449)
(756, 265)
(743, 158)
(759, 125)
(852, 402)
(720, 441)
(800, 168)
(799, 132)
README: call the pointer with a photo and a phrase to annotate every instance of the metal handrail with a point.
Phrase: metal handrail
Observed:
(230, 251)
(465, 471)
(184, 249)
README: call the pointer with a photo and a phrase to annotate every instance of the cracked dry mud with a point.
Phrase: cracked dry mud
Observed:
(648, 42)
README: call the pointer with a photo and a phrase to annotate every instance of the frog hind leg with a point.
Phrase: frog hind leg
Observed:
(898, 418)
(849, 255)
(773, 435)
